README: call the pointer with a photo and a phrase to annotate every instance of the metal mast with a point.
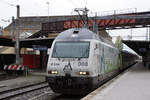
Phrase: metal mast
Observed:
(84, 16)
(17, 45)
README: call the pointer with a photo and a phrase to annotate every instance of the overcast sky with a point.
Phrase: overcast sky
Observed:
(66, 7)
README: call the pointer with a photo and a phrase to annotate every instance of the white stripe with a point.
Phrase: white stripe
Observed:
(22, 67)
(18, 67)
(9, 67)
(5, 67)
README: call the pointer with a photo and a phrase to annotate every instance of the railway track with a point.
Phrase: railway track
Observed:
(22, 90)
(6, 76)
(38, 91)
(68, 97)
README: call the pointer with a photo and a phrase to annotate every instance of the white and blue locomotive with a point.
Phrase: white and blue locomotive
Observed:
(79, 61)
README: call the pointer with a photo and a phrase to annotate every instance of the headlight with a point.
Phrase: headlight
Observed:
(83, 73)
(52, 72)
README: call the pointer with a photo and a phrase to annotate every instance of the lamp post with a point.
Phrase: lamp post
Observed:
(48, 8)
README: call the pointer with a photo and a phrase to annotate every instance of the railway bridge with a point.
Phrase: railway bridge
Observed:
(110, 22)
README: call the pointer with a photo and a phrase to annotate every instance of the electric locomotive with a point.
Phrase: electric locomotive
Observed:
(79, 61)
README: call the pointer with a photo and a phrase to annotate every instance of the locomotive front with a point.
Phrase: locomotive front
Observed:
(68, 68)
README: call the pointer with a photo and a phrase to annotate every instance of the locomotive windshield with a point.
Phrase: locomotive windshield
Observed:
(71, 50)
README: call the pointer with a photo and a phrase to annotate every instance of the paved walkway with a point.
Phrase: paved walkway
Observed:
(132, 85)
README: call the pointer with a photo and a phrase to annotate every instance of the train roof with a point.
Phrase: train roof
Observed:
(74, 34)
(79, 34)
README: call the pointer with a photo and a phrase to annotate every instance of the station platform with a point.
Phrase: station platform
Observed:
(32, 78)
(134, 84)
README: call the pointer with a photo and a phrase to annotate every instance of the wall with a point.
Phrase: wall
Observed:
(30, 60)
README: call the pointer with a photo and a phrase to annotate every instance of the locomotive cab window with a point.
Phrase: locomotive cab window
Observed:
(71, 50)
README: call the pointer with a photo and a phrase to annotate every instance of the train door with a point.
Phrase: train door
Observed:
(102, 58)
(97, 57)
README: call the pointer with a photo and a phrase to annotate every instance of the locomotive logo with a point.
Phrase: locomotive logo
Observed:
(67, 68)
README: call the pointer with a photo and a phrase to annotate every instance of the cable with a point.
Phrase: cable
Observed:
(4, 20)
(37, 4)
(10, 4)
(86, 3)
(29, 12)
(74, 4)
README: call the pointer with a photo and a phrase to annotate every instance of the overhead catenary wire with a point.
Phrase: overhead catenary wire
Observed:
(73, 3)
(29, 12)
(14, 5)
(5, 20)
(10, 4)
(38, 5)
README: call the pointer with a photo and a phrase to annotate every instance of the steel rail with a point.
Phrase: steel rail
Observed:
(22, 90)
